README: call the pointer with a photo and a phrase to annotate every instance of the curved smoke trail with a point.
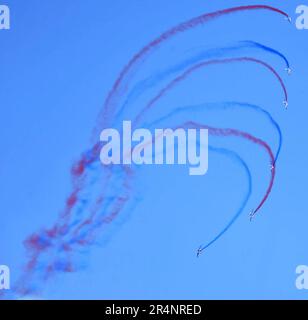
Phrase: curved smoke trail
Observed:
(240, 210)
(237, 133)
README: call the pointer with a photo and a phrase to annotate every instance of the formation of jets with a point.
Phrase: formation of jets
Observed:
(289, 19)
(286, 104)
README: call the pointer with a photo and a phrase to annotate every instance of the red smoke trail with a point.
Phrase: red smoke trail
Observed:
(109, 105)
(249, 137)
(201, 65)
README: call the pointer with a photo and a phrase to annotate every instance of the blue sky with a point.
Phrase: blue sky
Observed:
(59, 61)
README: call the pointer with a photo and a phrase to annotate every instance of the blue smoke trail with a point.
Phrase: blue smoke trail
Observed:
(236, 157)
(250, 43)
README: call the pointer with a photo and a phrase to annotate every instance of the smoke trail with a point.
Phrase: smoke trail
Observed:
(266, 48)
(238, 213)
